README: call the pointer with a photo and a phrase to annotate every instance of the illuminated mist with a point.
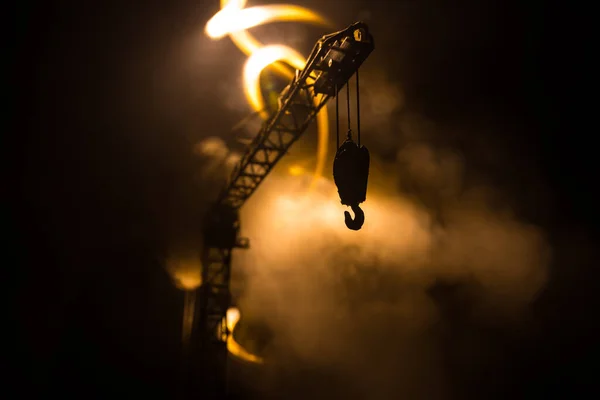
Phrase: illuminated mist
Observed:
(232, 20)
(358, 305)
(337, 299)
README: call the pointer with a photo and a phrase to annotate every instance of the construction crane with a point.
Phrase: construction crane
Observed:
(333, 61)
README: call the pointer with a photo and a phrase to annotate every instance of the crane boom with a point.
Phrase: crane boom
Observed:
(333, 60)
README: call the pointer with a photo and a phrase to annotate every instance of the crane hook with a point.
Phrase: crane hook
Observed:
(359, 218)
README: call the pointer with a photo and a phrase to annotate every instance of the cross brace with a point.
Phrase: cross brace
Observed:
(334, 59)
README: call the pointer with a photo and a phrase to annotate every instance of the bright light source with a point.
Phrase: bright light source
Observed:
(232, 318)
(257, 62)
(233, 20)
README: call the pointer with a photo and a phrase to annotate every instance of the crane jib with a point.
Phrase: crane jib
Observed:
(333, 61)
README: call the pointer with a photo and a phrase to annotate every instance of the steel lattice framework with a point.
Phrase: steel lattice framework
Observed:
(334, 59)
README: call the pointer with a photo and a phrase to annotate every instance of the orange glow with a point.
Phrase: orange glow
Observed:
(296, 170)
(284, 219)
(185, 270)
(233, 20)
(233, 17)
(233, 317)
(257, 62)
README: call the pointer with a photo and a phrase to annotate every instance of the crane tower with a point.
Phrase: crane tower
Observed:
(332, 62)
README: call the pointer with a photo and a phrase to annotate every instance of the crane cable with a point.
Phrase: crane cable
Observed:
(357, 110)
(337, 112)
(337, 118)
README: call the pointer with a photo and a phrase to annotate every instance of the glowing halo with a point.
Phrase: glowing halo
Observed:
(257, 62)
(232, 318)
(233, 20)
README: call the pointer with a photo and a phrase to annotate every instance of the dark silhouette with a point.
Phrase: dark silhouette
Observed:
(351, 173)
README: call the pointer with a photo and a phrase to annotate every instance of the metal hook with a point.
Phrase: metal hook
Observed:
(359, 219)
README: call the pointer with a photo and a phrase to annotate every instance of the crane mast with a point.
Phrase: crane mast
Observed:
(334, 59)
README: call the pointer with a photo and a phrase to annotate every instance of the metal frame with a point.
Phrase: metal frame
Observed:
(300, 103)
(273, 142)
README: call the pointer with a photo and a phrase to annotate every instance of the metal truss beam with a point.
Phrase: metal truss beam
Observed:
(334, 59)
(273, 141)
(208, 364)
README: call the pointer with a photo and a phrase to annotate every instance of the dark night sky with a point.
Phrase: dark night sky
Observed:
(96, 155)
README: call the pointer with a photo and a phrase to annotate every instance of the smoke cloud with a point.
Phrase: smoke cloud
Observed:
(336, 300)
(357, 307)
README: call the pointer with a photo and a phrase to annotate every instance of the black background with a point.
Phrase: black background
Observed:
(85, 180)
